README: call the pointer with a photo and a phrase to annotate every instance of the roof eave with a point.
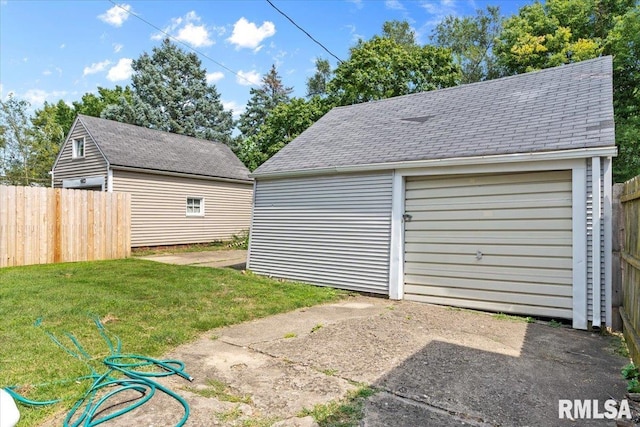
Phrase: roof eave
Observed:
(610, 151)
(181, 174)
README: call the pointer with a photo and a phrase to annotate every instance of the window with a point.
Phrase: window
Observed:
(195, 206)
(78, 148)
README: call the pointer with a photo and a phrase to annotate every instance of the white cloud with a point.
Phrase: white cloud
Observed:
(187, 29)
(116, 15)
(117, 47)
(248, 78)
(96, 67)
(46, 73)
(62, 46)
(214, 77)
(236, 108)
(394, 5)
(37, 97)
(357, 3)
(248, 35)
(121, 71)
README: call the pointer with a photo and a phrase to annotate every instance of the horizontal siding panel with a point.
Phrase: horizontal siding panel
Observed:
(530, 310)
(520, 223)
(158, 208)
(327, 230)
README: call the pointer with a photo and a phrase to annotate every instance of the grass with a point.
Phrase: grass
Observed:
(342, 413)
(151, 307)
(221, 391)
(503, 316)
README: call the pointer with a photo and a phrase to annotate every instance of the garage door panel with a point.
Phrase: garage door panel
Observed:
(550, 224)
(491, 283)
(488, 295)
(488, 250)
(491, 261)
(521, 224)
(490, 190)
(531, 275)
(492, 214)
(529, 237)
(530, 310)
(469, 181)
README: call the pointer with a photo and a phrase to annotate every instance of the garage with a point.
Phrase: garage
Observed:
(492, 196)
(491, 242)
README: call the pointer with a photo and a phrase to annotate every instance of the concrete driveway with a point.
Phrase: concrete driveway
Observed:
(228, 258)
(430, 365)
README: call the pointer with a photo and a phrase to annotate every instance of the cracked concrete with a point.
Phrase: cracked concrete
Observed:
(431, 366)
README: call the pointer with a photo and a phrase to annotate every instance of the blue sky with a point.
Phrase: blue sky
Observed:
(51, 50)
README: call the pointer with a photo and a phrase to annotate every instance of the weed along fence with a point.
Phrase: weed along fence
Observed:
(630, 311)
(46, 225)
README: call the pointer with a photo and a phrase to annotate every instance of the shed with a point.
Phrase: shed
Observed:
(184, 190)
(493, 196)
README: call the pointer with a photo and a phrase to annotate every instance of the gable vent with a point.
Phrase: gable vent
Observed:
(420, 119)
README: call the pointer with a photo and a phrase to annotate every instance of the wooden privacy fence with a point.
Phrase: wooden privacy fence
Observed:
(630, 311)
(46, 225)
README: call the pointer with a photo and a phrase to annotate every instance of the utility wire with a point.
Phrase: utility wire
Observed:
(303, 30)
(181, 42)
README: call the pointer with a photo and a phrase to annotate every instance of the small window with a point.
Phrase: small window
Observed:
(78, 148)
(195, 206)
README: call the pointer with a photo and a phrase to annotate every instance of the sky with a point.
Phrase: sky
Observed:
(52, 49)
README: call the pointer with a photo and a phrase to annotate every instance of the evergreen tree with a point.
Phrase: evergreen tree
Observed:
(317, 84)
(262, 101)
(170, 93)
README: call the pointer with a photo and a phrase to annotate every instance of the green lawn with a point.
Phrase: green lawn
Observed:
(151, 307)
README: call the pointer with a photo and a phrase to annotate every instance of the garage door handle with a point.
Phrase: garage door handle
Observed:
(406, 217)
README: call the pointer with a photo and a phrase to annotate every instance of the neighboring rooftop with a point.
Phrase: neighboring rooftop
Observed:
(562, 108)
(139, 147)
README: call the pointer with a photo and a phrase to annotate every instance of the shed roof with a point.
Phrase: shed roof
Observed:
(562, 108)
(133, 146)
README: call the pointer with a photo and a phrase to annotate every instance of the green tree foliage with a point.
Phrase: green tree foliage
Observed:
(471, 40)
(381, 68)
(170, 93)
(400, 32)
(29, 145)
(282, 125)
(263, 100)
(317, 84)
(93, 104)
(624, 41)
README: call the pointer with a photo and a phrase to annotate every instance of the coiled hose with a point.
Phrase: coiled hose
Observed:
(125, 372)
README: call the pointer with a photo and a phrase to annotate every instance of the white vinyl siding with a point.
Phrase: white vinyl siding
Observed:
(158, 208)
(92, 164)
(599, 282)
(491, 242)
(327, 230)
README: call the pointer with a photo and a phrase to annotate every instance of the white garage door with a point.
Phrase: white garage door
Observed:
(491, 242)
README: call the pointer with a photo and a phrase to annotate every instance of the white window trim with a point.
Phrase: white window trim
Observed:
(201, 213)
(74, 148)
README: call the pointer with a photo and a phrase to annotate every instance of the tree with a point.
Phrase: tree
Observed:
(93, 105)
(400, 32)
(557, 32)
(282, 125)
(170, 93)
(317, 84)
(28, 151)
(471, 40)
(624, 41)
(262, 101)
(381, 68)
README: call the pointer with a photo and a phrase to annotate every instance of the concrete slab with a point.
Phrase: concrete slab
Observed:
(218, 259)
(431, 366)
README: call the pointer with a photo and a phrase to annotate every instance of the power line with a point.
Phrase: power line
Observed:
(303, 30)
(181, 42)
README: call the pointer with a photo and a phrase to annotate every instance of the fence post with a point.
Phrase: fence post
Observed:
(617, 248)
(57, 238)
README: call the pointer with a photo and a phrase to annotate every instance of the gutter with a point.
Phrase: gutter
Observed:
(453, 161)
(181, 174)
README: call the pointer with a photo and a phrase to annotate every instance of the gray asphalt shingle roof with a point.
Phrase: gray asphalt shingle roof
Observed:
(138, 147)
(562, 108)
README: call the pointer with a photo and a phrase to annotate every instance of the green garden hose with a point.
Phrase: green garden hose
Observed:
(125, 372)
